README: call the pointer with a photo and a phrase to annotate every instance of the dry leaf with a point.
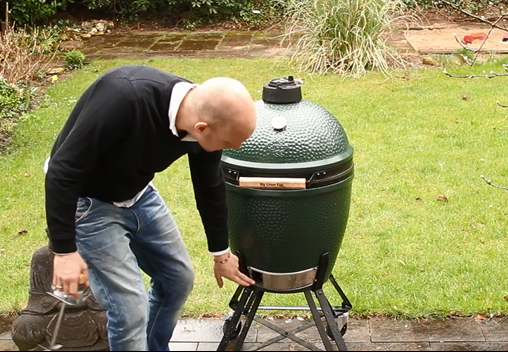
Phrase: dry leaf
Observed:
(442, 198)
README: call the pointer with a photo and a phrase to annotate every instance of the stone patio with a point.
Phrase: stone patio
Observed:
(370, 334)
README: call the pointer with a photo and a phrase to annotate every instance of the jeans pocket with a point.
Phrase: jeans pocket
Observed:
(82, 208)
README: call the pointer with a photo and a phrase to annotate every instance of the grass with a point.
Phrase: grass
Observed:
(404, 252)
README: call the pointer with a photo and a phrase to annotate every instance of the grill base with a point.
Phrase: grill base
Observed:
(246, 301)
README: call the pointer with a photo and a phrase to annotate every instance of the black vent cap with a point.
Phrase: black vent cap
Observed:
(284, 90)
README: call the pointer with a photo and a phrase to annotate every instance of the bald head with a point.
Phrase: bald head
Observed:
(225, 102)
(221, 112)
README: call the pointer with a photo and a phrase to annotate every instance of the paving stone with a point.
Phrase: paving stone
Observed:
(495, 329)
(184, 346)
(213, 346)
(204, 330)
(388, 346)
(162, 53)
(460, 329)
(198, 45)
(8, 345)
(237, 39)
(469, 346)
(184, 45)
(165, 45)
(286, 345)
(104, 40)
(179, 34)
(122, 52)
(207, 346)
(207, 35)
(462, 334)
(197, 330)
(358, 330)
(223, 54)
(265, 333)
(138, 40)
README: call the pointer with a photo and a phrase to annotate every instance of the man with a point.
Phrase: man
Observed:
(106, 220)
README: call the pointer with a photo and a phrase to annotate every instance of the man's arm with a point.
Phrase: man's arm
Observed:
(210, 194)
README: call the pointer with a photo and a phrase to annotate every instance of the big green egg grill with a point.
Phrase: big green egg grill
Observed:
(288, 190)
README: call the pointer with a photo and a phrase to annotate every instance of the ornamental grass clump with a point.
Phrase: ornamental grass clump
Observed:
(346, 37)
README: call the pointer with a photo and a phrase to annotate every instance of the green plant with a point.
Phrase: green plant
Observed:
(74, 59)
(191, 24)
(259, 14)
(191, 13)
(29, 11)
(465, 55)
(13, 99)
(346, 37)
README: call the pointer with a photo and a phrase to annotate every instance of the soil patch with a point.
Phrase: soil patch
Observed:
(439, 32)
(446, 40)
(6, 321)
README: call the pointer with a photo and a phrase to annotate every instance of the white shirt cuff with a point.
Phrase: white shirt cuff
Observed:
(221, 252)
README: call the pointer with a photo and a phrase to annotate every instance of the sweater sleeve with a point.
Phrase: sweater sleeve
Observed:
(210, 194)
(101, 116)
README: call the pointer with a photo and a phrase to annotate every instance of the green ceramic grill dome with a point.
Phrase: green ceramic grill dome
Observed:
(281, 230)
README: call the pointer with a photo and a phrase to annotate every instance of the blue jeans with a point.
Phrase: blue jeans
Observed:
(116, 243)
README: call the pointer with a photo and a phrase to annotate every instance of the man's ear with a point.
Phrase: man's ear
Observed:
(201, 127)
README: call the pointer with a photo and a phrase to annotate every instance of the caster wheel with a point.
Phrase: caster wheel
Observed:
(236, 332)
(342, 331)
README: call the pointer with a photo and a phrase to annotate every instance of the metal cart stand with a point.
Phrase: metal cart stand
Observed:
(246, 301)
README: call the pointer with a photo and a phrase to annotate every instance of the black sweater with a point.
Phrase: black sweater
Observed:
(115, 140)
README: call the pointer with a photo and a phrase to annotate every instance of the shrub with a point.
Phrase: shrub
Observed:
(28, 11)
(14, 100)
(191, 13)
(74, 59)
(23, 63)
(22, 59)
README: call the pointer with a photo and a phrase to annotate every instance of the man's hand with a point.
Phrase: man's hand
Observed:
(67, 269)
(226, 265)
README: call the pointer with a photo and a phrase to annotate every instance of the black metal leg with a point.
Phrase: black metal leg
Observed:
(250, 302)
(286, 334)
(246, 300)
(234, 300)
(317, 320)
(239, 308)
(258, 295)
(330, 319)
(345, 303)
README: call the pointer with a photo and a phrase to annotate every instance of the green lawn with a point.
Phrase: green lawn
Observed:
(404, 252)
